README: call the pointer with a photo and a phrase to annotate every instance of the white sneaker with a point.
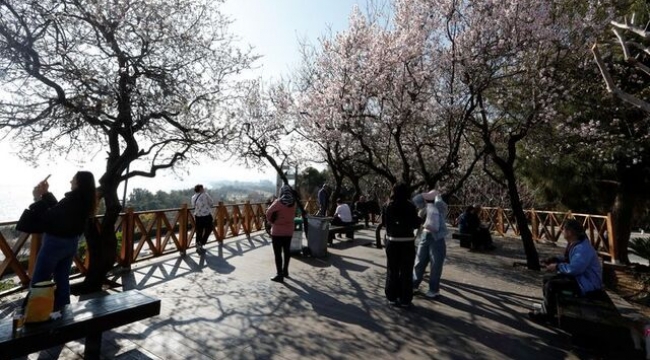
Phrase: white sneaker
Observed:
(54, 315)
(432, 295)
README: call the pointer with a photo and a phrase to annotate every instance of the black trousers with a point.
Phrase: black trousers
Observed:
(203, 228)
(481, 238)
(338, 222)
(378, 235)
(400, 256)
(554, 285)
(281, 246)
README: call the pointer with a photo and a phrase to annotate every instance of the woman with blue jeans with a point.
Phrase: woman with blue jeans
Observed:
(432, 247)
(63, 222)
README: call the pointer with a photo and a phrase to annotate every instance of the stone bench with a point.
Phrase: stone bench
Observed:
(348, 230)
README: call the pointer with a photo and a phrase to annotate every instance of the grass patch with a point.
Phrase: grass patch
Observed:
(6, 285)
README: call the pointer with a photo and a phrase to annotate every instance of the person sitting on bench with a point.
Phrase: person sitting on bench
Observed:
(343, 214)
(361, 209)
(578, 271)
(467, 221)
(470, 224)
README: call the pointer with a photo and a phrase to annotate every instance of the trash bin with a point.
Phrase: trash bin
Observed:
(297, 223)
(296, 242)
(317, 234)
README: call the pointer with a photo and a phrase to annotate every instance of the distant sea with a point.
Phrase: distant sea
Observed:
(13, 199)
(19, 178)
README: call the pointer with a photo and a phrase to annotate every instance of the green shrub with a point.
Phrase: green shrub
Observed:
(6, 285)
(118, 236)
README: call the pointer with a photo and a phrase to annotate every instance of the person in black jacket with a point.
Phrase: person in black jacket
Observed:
(400, 218)
(63, 222)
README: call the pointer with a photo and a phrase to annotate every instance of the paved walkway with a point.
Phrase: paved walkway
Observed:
(223, 306)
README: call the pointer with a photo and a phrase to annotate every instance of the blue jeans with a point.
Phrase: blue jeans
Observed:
(434, 251)
(54, 260)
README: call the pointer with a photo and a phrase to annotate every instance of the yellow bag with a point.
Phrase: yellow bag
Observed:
(40, 302)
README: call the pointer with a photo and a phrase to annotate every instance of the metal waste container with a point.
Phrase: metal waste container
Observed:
(298, 236)
(296, 242)
(317, 235)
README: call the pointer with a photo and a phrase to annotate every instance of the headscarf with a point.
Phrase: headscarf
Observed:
(286, 196)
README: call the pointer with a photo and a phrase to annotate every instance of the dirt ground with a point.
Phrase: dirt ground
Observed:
(631, 283)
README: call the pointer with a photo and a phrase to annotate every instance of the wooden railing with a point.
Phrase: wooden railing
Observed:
(144, 235)
(141, 235)
(546, 226)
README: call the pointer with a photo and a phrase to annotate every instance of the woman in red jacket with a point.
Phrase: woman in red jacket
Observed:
(280, 214)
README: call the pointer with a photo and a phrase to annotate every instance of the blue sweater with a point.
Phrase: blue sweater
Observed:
(584, 265)
(442, 210)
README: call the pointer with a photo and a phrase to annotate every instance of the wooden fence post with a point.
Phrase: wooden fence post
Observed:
(500, 221)
(247, 221)
(128, 230)
(182, 229)
(221, 221)
(611, 240)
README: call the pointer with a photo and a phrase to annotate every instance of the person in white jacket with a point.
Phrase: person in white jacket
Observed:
(432, 247)
(202, 203)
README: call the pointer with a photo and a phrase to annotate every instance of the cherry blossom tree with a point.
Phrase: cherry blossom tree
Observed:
(374, 87)
(414, 95)
(142, 81)
(610, 123)
(267, 132)
(510, 66)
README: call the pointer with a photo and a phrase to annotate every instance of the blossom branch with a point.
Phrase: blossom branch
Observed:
(612, 88)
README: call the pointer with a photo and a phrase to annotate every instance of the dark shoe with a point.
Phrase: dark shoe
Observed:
(278, 278)
(538, 317)
(285, 274)
(408, 305)
(490, 248)
(393, 303)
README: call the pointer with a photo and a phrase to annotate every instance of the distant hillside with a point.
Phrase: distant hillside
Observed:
(227, 191)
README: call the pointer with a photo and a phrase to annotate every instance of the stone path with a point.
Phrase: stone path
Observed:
(223, 306)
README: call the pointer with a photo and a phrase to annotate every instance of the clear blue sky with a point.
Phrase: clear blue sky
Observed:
(274, 27)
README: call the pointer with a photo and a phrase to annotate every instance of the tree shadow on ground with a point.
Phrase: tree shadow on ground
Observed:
(161, 270)
(493, 265)
(342, 244)
(317, 262)
(336, 311)
(329, 306)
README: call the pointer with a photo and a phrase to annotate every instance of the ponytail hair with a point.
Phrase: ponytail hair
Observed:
(88, 191)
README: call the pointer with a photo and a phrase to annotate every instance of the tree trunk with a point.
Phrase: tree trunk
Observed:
(356, 183)
(532, 258)
(627, 196)
(622, 218)
(102, 245)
